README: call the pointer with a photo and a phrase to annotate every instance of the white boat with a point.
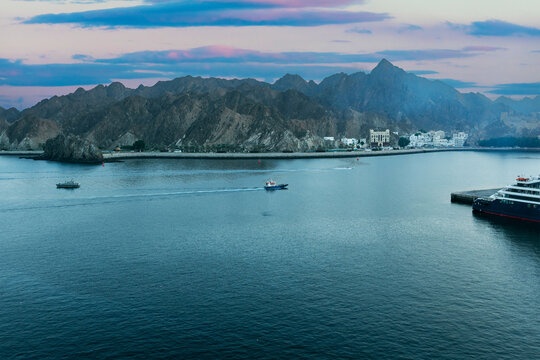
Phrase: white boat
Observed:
(272, 185)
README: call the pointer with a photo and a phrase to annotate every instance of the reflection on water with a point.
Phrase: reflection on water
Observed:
(521, 233)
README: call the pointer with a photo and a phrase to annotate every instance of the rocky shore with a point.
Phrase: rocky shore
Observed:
(72, 148)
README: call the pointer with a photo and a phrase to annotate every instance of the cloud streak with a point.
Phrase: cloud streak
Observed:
(214, 13)
(408, 28)
(495, 28)
(216, 61)
(226, 54)
(220, 61)
(517, 89)
(357, 30)
(427, 54)
(458, 84)
(16, 73)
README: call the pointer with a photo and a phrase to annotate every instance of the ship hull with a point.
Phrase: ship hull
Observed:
(514, 210)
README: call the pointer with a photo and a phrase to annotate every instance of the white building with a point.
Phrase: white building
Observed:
(439, 133)
(328, 138)
(379, 138)
(437, 139)
(420, 139)
(459, 139)
(349, 141)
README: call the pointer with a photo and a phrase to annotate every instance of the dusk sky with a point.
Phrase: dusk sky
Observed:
(51, 47)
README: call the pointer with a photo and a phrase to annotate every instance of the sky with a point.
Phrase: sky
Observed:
(52, 47)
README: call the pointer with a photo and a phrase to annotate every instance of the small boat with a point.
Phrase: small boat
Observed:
(68, 185)
(272, 185)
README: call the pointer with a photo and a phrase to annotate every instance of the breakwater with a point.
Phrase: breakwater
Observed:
(113, 156)
(22, 153)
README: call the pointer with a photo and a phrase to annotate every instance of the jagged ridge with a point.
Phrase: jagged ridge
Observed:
(291, 114)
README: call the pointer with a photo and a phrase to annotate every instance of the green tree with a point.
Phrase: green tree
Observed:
(139, 145)
(403, 141)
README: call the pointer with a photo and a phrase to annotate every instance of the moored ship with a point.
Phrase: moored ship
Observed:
(518, 201)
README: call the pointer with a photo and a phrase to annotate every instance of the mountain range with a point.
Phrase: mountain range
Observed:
(291, 114)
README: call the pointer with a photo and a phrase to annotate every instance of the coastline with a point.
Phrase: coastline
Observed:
(111, 157)
(269, 155)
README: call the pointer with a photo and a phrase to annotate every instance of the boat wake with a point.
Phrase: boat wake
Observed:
(105, 199)
(176, 193)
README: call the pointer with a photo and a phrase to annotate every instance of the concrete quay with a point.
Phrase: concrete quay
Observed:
(274, 155)
(21, 152)
(468, 197)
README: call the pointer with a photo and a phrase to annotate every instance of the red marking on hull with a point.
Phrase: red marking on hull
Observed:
(508, 216)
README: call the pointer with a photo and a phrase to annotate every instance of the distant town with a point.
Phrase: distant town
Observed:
(382, 140)
(377, 140)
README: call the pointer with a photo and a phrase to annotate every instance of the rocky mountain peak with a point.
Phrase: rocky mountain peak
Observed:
(116, 90)
(296, 82)
(80, 91)
(386, 67)
(334, 80)
(9, 115)
(290, 81)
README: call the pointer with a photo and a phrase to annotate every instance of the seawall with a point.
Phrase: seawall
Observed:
(274, 155)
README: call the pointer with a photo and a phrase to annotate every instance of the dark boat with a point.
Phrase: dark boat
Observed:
(68, 185)
(271, 185)
(518, 201)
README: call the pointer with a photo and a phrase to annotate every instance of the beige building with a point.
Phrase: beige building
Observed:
(379, 138)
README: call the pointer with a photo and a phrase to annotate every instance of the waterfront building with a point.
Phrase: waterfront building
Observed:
(439, 133)
(459, 139)
(349, 141)
(328, 138)
(437, 139)
(379, 138)
(420, 140)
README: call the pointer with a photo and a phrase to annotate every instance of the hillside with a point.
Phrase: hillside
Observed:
(290, 115)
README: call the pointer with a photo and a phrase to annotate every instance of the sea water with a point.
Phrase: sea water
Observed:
(194, 259)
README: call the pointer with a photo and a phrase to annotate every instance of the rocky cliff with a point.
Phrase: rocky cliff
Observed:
(72, 148)
(28, 133)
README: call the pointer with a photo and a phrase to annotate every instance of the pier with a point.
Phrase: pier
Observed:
(468, 197)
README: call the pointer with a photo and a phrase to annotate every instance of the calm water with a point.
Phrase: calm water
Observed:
(193, 259)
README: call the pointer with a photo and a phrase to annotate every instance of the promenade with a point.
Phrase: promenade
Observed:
(269, 155)
(116, 156)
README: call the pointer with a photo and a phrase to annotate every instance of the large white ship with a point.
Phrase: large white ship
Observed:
(519, 201)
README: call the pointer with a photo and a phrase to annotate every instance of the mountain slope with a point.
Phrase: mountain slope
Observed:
(9, 115)
(525, 105)
(291, 114)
